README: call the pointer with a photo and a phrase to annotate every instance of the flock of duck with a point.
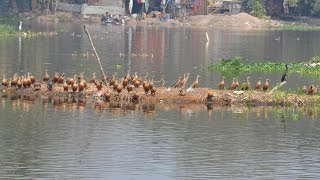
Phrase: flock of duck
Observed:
(129, 84)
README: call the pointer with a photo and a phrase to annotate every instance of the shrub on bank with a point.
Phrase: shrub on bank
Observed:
(7, 29)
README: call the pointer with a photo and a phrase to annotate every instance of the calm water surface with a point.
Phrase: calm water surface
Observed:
(49, 140)
(75, 140)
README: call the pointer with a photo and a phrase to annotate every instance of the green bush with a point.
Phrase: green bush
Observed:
(64, 17)
(6, 29)
(254, 7)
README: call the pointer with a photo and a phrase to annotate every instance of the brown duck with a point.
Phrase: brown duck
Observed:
(5, 82)
(266, 85)
(234, 84)
(46, 76)
(153, 90)
(93, 78)
(176, 84)
(14, 80)
(55, 77)
(258, 85)
(221, 83)
(246, 85)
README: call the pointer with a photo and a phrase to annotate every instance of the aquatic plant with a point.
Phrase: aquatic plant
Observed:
(64, 17)
(236, 65)
(6, 29)
(296, 27)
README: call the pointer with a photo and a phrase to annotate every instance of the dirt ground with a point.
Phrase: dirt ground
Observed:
(241, 20)
(216, 21)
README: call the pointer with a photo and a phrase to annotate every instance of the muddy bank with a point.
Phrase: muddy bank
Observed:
(205, 96)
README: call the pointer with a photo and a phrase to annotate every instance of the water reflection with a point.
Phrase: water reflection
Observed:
(75, 138)
(186, 111)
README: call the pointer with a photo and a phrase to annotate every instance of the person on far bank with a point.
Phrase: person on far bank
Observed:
(286, 6)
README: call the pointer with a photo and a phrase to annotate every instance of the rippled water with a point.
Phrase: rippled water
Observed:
(77, 140)
(43, 140)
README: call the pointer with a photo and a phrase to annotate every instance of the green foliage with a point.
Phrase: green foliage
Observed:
(254, 7)
(294, 27)
(11, 20)
(6, 29)
(315, 8)
(236, 65)
(64, 17)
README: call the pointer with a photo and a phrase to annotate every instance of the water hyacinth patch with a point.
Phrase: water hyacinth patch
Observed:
(236, 65)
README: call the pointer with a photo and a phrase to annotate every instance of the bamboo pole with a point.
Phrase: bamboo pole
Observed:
(96, 54)
(278, 87)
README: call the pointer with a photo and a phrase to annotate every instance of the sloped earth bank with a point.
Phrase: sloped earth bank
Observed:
(175, 96)
(241, 20)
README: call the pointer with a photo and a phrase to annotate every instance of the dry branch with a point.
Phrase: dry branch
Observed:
(96, 54)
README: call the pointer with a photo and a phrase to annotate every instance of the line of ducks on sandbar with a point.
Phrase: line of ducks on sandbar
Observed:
(77, 83)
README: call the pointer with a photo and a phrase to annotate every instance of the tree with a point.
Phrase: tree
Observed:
(254, 7)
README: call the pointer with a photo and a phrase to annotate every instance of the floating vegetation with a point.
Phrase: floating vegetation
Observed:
(296, 27)
(236, 65)
(64, 17)
(7, 29)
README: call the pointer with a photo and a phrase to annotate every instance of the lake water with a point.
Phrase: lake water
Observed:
(76, 140)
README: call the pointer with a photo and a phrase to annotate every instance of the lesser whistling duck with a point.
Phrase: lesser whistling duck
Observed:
(221, 84)
(115, 85)
(195, 84)
(14, 80)
(162, 82)
(99, 85)
(81, 86)
(46, 76)
(29, 82)
(19, 82)
(55, 77)
(125, 82)
(136, 97)
(93, 78)
(74, 86)
(61, 78)
(146, 86)
(234, 84)
(304, 89)
(184, 81)
(258, 85)
(246, 85)
(32, 78)
(5, 82)
(24, 82)
(136, 83)
(266, 85)
(65, 86)
(312, 90)
(176, 84)
(113, 79)
(119, 88)
(153, 91)
(129, 88)
(210, 95)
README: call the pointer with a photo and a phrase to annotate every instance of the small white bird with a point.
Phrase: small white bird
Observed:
(20, 26)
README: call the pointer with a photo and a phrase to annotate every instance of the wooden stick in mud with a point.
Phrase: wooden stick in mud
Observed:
(96, 54)
(277, 87)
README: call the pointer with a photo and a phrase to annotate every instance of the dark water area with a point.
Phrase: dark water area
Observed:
(76, 140)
